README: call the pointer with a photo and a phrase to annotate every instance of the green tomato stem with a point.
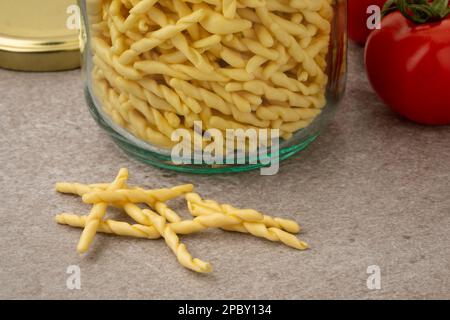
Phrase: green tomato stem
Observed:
(419, 11)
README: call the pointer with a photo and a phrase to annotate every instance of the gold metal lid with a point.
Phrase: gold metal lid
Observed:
(34, 36)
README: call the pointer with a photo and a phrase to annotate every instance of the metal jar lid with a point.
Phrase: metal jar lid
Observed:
(34, 35)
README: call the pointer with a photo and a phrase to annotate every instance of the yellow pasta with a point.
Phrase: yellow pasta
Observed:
(174, 244)
(248, 215)
(160, 36)
(136, 195)
(97, 213)
(250, 221)
(250, 63)
(75, 188)
(111, 226)
(164, 222)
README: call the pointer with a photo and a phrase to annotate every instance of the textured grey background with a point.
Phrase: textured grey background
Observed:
(374, 189)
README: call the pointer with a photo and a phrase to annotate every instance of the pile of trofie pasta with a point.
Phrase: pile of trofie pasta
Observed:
(159, 220)
(159, 65)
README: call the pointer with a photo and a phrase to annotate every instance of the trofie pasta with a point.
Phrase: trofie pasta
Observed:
(110, 226)
(160, 65)
(97, 213)
(158, 220)
(136, 195)
(200, 207)
(174, 244)
(248, 221)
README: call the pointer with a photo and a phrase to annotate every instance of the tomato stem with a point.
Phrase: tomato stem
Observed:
(419, 11)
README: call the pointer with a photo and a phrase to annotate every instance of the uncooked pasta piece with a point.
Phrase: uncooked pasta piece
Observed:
(248, 215)
(111, 226)
(174, 244)
(256, 228)
(254, 62)
(166, 212)
(75, 188)
(97, 213)
(264, 227)
(165, 222)
(137, 195)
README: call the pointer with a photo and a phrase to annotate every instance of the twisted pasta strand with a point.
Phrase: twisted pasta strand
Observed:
(111, 226)
(271, 234)
(97, 212)
(139, 9)
(258, 229)
(200, 223)
(137, 195)
(156, 38)
(229, 8)
(173, 242)
(145, 228)
(180, 226)
(248, 215)
(166, 212)
(74, 188)
(159, 229)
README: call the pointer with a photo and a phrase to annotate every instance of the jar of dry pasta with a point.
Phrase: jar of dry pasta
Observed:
(213, 85)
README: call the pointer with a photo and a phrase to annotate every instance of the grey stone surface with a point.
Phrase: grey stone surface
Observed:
(374, 189)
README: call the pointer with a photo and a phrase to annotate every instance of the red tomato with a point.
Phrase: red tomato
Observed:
(357, 19)
(408, 65)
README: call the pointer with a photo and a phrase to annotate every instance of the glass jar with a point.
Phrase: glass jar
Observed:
(210, 86)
